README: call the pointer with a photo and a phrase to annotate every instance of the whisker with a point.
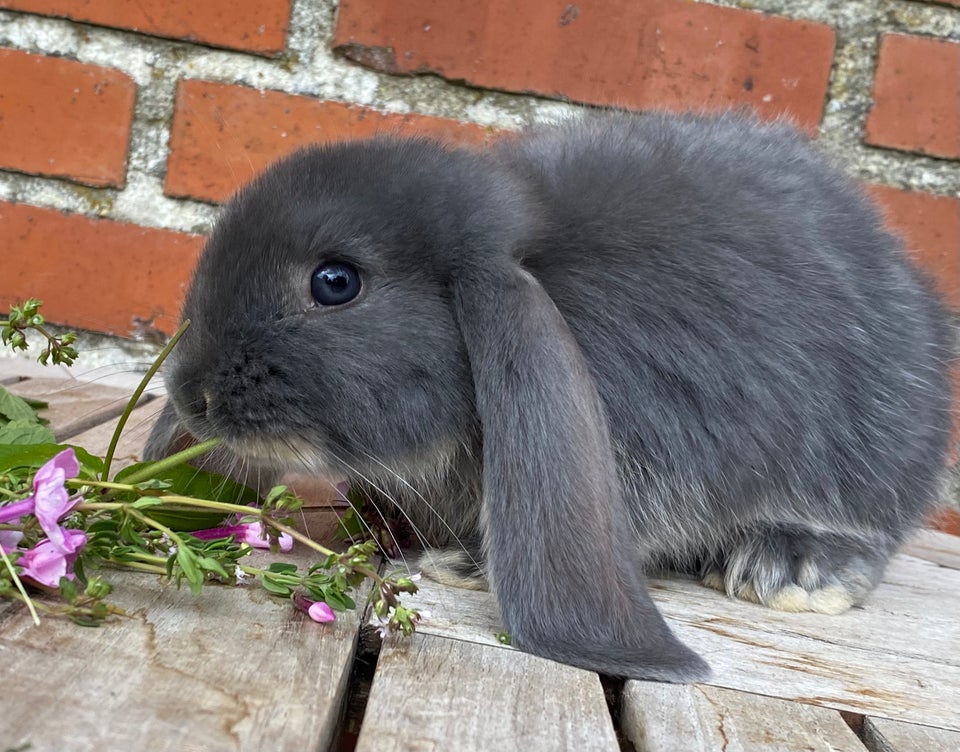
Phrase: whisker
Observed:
(299, 455)
(429, 506)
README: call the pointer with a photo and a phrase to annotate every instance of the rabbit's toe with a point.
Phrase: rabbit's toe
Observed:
(796, 569)
(457, 567)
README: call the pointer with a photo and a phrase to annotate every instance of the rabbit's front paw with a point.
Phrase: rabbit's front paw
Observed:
(791, 568)
(457, 567)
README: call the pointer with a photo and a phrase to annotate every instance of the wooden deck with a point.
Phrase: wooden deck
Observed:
(238, 670)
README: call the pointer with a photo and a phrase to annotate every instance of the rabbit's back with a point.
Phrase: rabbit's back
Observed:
(764, 349)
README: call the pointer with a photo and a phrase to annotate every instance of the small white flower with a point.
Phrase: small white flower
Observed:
(242, 577)
(383, 626)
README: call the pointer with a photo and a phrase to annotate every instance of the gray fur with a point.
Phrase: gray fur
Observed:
(614, 346)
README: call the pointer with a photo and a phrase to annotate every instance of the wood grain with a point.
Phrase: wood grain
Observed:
(74, 406)
(96, 439)
(675, 718)
(931, 545)
(884, 735)
(431, 693)
(895, 658)
(234, 669)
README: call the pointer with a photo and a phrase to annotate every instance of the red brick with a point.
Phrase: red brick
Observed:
(930, 225)
(637, 54)
(252, 25)
(946, 520)
(64, 119)
(916, 96)
(223, 135)
(94, 273)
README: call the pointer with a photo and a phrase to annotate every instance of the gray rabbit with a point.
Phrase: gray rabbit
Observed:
(624, 344)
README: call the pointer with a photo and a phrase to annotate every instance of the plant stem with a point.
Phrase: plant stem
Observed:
(147, 558)
(23, 591)
(177, 540)
(153, 470)
(114, 440)
(153, 568)
(81, 482)
(90, 506)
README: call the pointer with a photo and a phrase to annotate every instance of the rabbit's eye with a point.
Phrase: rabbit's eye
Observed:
(335, 283)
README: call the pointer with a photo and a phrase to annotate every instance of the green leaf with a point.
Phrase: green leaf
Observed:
(190, 568)
(338, 601)
(183, 518)
(275, 587)
(79, 571)
(68, 590)
(187, 480)
(212, 565)
(31, 456)
(325, 564)
(20, 432)
(13, 407)
(146, 501)
(36, 404)
(279, 567)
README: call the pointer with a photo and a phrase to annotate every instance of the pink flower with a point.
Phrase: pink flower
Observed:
(321, 612)
(245, 532)
(316, 610)
(9, 539)
(18, 509)
(51, 498)
(44, 564)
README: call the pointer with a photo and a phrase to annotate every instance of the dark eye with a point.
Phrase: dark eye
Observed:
(335, 283)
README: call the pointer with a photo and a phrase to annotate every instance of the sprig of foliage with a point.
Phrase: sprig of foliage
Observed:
(166, 518)
(23, 318)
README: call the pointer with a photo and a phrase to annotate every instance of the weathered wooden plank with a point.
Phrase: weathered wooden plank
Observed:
(932, 545)
(74, 406)
(675, 718)
(895, 658)
(431, 693)
(884, 735)
(96, 439)
(458, 614)
(233, 669)
(14, 368)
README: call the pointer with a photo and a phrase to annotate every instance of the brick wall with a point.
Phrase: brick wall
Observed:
(122, 125)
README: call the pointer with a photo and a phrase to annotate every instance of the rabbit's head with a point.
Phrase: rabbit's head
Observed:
(364, 305)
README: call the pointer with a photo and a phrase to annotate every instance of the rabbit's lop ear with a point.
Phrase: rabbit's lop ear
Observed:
(563, 562)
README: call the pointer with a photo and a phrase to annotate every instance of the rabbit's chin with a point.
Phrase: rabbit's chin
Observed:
(284, 456)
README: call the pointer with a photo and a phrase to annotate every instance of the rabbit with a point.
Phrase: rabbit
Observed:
(588, 352)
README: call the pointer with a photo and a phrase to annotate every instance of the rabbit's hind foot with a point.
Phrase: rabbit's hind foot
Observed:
(457, 567)
(793, 568)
